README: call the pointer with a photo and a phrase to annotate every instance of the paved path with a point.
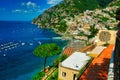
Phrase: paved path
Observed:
(49, 73)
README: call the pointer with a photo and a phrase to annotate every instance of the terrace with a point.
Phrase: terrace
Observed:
(98, 69)
(76, 61)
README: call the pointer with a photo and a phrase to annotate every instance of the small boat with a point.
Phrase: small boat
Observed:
(4, 54)
(39, 42)
(31, 44)
(22, 44)
(5, 49)
(56, 37)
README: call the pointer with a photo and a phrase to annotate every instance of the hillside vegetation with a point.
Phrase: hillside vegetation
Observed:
(56, 16)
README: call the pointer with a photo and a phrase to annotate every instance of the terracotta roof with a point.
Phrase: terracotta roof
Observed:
(84, 49)
(98, 69)
(68, 51)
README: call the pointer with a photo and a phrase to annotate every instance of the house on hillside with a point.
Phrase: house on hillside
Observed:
(70, 68)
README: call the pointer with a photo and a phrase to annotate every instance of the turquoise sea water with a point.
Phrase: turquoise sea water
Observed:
(17, 42)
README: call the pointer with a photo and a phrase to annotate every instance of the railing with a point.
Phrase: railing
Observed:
(111, 68)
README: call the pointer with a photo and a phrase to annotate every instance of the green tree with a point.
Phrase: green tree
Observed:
(63, 26)
(93, 32)
(59, 59)
(47, 50)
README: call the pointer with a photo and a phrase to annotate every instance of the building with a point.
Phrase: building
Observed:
(70, 68)
(106, 36)
(96, 51)
(98, 68)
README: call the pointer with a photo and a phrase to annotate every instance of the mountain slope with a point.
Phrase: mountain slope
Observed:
(56, 16)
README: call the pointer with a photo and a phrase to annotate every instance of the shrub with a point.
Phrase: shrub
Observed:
(59, 59)
(54, 76)
(39, 75)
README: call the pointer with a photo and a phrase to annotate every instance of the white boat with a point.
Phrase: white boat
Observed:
(4, 54)
(56, 37)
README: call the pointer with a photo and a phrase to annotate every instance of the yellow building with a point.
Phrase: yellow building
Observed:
(106, 36)
(96, 51)
(70, 68)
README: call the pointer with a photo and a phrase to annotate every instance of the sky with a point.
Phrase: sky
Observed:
(24, 10)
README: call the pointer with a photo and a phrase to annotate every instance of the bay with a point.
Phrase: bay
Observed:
(18, 39)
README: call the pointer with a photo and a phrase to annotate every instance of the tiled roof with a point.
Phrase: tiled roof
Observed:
(87, 48)
(68, 51)
(98, 69)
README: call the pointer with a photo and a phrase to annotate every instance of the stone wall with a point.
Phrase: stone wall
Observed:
(106, 36)
(117, 60)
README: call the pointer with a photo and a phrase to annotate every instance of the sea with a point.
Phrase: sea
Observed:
(18, 39)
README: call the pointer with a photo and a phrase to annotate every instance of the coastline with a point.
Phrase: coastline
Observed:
(20, 58)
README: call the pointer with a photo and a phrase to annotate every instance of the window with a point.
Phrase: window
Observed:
(74, 77)
(64, 74)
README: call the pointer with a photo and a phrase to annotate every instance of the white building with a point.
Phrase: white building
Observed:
(70, 68)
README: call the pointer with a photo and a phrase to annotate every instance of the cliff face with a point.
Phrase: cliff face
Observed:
(56, 16)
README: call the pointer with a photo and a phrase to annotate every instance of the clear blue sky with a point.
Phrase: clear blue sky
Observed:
(24, 10)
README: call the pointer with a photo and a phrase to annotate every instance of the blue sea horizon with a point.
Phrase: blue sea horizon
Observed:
(18, 39)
